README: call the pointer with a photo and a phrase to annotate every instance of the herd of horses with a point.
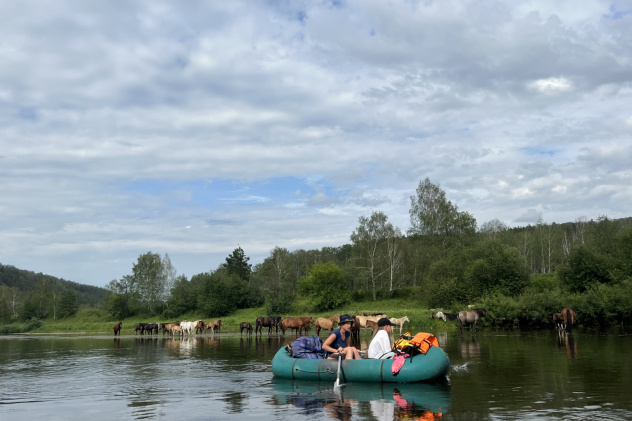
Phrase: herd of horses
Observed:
(179, 327)
(564, 321)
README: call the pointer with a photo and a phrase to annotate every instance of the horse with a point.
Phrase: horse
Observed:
(269, 322)
(247, 326)
(400, 322)
(297, 323)
(446, 316)
(176, 328)
(372, 325)
(328, 323)
(189, 327)
(470, 318)
(355, 328)
(151, 328)
(558, 320)
(199, 326)
(166, 327)
(568, 315)
(216, 326)
(140, 328)
(362, 319)
(117, 328)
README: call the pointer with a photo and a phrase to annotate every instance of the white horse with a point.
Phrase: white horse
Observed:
(440, 315)
(400, 322)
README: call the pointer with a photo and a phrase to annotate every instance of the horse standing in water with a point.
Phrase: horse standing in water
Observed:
(568, 315)
(470, 318)
(117, 328)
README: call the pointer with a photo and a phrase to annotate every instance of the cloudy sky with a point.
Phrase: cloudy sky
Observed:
(188, 128)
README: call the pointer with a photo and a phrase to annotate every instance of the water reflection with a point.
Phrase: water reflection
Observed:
(383, 400)
(566, 342)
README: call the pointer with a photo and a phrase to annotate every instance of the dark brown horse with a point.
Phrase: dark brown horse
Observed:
(269, 322)
(247, 326)
(569, 319)
(470, 318)
(117, 328)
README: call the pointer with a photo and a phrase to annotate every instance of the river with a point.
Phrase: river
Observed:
(494, 376)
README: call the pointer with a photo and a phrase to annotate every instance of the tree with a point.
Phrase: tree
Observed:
(68, 304)
(325, 282)
(149, 280)
(492, 228)
(169, 278)
(220, 294)
(237, 264)
(368, 239)
(431, 214)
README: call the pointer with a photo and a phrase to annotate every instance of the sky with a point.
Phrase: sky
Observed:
(193, 128)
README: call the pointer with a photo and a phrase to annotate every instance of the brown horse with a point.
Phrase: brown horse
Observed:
(470, 318)
(269, 322)
(568, 315)
(247, 326)
(117, 328)
(328, 323)
(296, 323)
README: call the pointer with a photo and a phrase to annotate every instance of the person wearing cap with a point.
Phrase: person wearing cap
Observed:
(337, 342)
(380, 346)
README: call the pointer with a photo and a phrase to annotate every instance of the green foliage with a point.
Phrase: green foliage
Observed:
(467, 274)
(325, 282)
(68, 304)
(604, 305)
(27, 326)
(221, 294)
(237, 264)
(282, 304)
(585, 267)
(117, 306)
(544, 282)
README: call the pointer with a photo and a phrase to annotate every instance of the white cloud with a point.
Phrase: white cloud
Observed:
(552, 86)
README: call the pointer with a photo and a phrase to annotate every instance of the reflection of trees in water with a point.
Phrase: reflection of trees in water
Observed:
(234, 402)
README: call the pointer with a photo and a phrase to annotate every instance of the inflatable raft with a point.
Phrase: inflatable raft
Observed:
(433, 365)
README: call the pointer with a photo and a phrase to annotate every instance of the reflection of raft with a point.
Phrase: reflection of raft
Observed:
(433, 365)
(435, 397)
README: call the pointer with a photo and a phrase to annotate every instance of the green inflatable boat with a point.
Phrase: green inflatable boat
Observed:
(434, 365)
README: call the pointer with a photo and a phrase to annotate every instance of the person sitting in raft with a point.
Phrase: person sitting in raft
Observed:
(380, 346)
(338, 341)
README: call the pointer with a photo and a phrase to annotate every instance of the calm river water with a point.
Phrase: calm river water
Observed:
(495, 376)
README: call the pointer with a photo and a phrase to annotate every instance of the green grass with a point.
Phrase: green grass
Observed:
(101, 322)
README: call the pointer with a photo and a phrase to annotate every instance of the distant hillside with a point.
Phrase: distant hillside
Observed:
(27, 281)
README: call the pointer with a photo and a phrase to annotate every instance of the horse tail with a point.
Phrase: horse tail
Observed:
(569, 321)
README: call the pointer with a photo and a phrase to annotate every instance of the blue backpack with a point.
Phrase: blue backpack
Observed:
(307, 347)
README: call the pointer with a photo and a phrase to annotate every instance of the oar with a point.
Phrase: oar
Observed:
(337, 383)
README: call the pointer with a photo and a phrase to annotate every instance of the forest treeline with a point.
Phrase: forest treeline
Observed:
(443, 260)
(25, 295)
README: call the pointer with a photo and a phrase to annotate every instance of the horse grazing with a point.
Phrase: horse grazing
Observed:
(446, 316)
(568, 315)
(558, 320)
(400, 322)
(328, 323)
(117, 328)
(247, 326)
(269, 322)
(296, 323)
(470, 318)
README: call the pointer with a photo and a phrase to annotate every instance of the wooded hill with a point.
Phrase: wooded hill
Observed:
(42, 295)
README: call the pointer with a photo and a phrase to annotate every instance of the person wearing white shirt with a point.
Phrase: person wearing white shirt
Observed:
(380, 346)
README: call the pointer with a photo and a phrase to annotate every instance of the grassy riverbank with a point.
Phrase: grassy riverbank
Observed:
(101, 322)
